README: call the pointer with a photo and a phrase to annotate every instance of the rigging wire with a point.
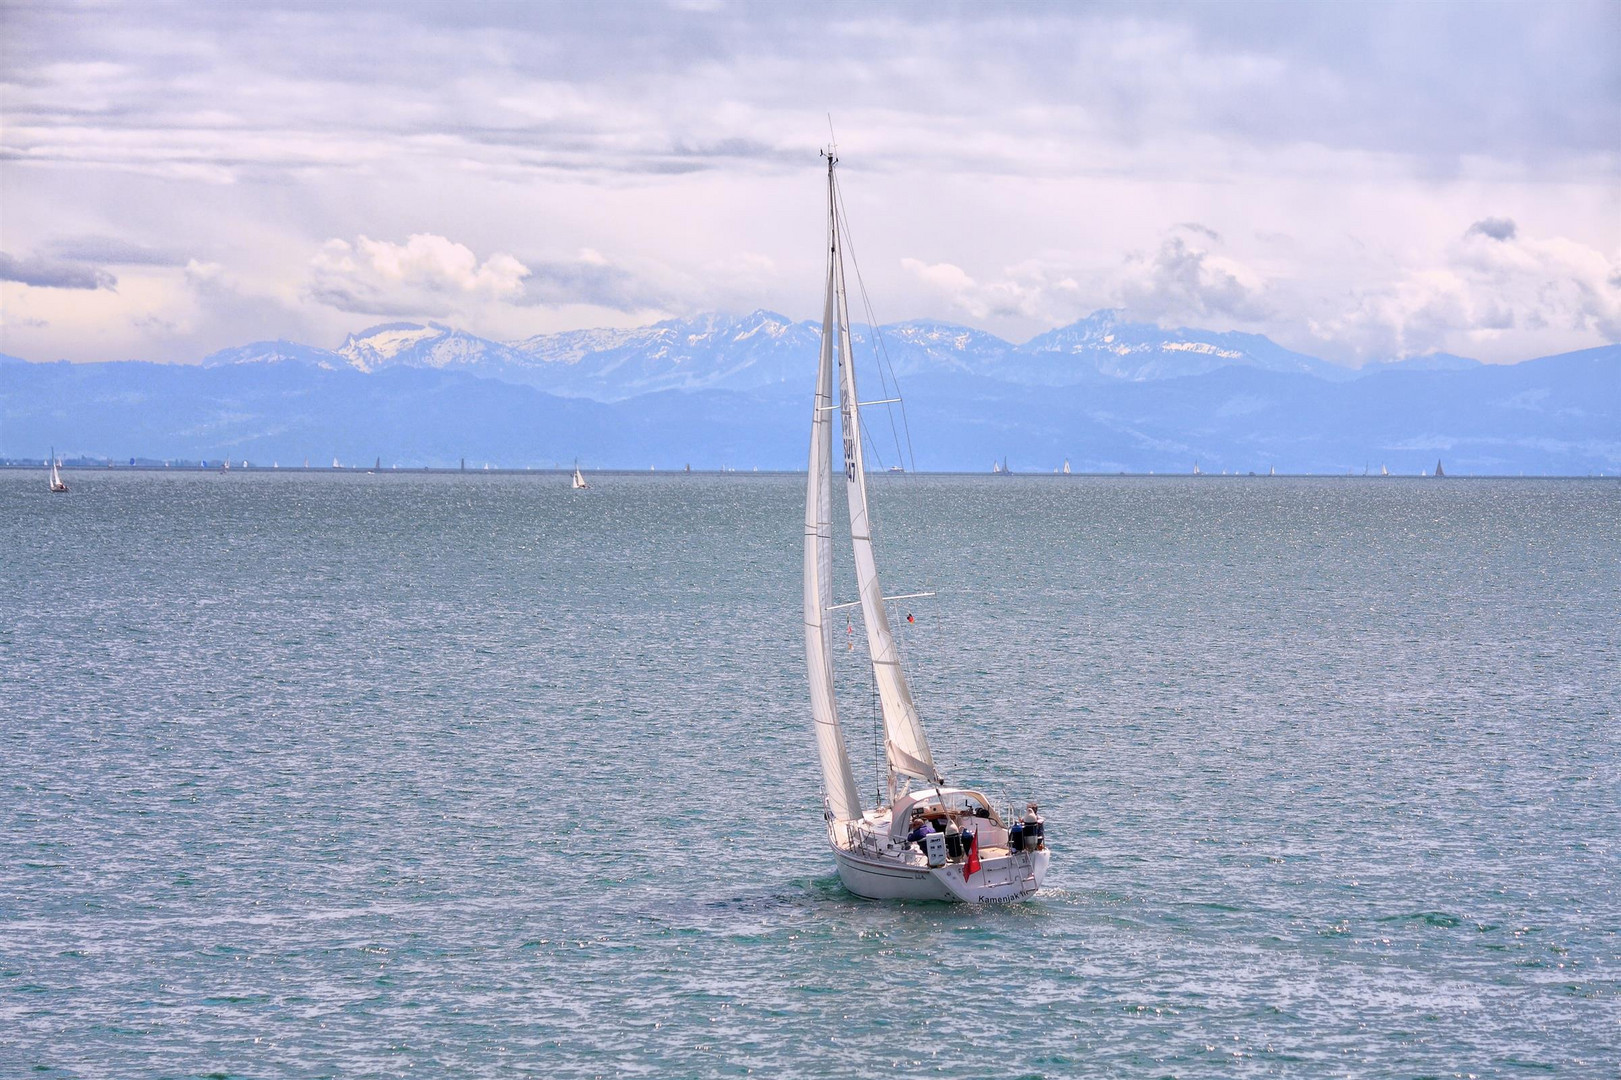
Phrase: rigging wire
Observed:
(880, 760)
(890, 383)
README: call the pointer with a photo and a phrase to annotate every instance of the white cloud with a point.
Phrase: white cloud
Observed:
(427, 276)
(1492, 282)
(1031, 290)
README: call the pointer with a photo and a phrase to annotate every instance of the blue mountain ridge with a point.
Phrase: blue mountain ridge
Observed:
(1555, 415)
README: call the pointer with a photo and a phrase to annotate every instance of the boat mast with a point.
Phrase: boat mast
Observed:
(838, 781)
(906, 749)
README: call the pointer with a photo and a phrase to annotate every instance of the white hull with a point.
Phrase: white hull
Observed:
(1000, 877)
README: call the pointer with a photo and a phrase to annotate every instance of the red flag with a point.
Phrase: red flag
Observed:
(971, 867)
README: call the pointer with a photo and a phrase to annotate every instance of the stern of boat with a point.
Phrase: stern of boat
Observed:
(1004, 875)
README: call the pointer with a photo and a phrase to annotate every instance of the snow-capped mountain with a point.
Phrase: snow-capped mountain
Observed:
(275, 352)
(924, 346)
(1102, 345)
(403, 344)
(764, 349)
(704, 352)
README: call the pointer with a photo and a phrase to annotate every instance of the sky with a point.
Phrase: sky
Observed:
(1356, 181)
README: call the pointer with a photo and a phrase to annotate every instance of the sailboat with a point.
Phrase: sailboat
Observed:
(1438, 470)
(1066, 466)
(930, 841)
(1383, 471)
(57, 486)
(578, 483)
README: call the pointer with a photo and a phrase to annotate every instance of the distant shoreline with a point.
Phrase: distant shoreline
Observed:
(83, 467)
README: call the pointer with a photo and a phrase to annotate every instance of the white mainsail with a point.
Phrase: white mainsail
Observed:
(838, 781)
(905, 746)
(579, 480)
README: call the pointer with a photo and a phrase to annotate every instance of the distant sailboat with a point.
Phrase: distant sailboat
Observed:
(1273, 471)
(1196, 471)
(930, 842)
(1383, 471)
(1438, 470)
(1066, 466)
(57, 486)
(578, 483)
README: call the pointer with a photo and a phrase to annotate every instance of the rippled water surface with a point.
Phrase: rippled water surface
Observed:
(350, 775)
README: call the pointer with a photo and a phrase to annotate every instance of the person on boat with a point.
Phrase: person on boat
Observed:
(1034, 827)
(920, 829)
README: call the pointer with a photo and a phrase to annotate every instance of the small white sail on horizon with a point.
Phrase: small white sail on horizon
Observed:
(57, 486)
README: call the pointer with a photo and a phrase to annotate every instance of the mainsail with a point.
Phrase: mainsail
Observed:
(905, 746)
(838, 782)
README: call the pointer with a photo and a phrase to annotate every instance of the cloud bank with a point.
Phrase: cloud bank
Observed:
(1304, 171)
(44, 273)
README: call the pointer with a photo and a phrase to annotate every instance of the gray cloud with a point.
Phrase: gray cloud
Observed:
(49, 274)
(1200, 230)
(585, 281)
(361, 301)
(1496, 228)
(1179, 282)
(632, 87)
(113, 251)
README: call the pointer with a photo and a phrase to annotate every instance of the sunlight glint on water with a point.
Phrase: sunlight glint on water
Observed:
(441, 775)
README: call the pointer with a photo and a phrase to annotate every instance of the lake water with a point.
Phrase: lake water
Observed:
(352, 775)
